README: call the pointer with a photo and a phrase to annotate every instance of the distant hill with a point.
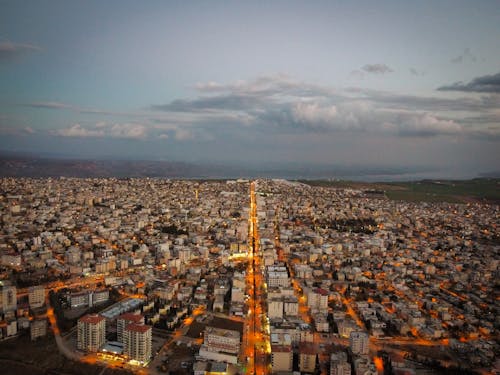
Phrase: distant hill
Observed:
(15, 164)
(12, 165)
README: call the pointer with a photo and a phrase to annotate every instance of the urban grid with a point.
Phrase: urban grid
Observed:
(157, 276)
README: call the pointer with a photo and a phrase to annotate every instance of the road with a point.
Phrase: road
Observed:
(61, 345)
(255, 341)
(70, 283)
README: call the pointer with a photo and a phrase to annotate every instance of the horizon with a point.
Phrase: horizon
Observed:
(133, 168)
(388, 85)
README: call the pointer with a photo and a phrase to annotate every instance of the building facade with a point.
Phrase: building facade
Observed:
(137, 342)
(91, 332)
(8, 298)
(124, 320)
(281, 358)
(36, 296)
(359, 343)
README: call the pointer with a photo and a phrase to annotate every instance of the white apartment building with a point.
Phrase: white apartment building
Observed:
(8, 298)
(321, 323)
(124, 320)
(339, 364)
(237, 294)
(91, 332)
(137, 342)
(98, 296)
(38, 328)
(277, 276)
(275, 309)
(317, 300)
(291, 306)
(307, 357)
(36, 296)
(79, 299)
(224, 340)
(281, 358)
(359, 342)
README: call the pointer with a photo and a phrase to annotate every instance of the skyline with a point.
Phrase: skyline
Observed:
(330, 83)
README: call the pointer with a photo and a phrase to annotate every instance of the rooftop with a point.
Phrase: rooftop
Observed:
(91, 319)
(141, 328)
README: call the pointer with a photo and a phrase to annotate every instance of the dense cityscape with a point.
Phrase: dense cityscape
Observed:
(157, 276)
(249, 187)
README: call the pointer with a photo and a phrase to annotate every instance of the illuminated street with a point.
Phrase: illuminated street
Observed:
(256, 343)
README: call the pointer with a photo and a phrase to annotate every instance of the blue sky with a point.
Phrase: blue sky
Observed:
(385, 83)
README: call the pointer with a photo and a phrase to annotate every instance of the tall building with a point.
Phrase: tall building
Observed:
(38, 328)
(307, 356)
(339, 364)
(359, 343)
(317, 300)
(91, 332)
(8, 298)
(277, 276)
(137, 342)
(275, 308)
(36, 296)
(281, 358)
(291, 306)
(124, 320)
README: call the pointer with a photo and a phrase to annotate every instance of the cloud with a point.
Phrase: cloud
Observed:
(269, 85)
(465, 56)
(184, 135)
(278, 104)
(51, 105)
(16, 131)
(358, 74)
(362, 117)
(243, 95)
(77, 130)
(416, 72)
(377, 68)
(105, 130)
(426, 125)
(484, 84)
(132, 131)
(314, 114)
(227, 102)
(79, 109)
(428, 103)
(11, 51)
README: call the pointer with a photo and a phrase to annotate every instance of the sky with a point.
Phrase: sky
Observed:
(406, 84)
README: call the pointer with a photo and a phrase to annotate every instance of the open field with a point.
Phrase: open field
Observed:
(21, 356)
(452, 191)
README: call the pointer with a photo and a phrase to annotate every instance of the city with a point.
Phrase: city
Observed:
(155, 276)
(283, 187)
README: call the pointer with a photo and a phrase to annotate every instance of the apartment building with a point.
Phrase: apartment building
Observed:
(137, 342)
(91, 332)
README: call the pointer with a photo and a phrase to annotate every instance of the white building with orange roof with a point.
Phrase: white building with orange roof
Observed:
(137, 342)
(91, 332)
